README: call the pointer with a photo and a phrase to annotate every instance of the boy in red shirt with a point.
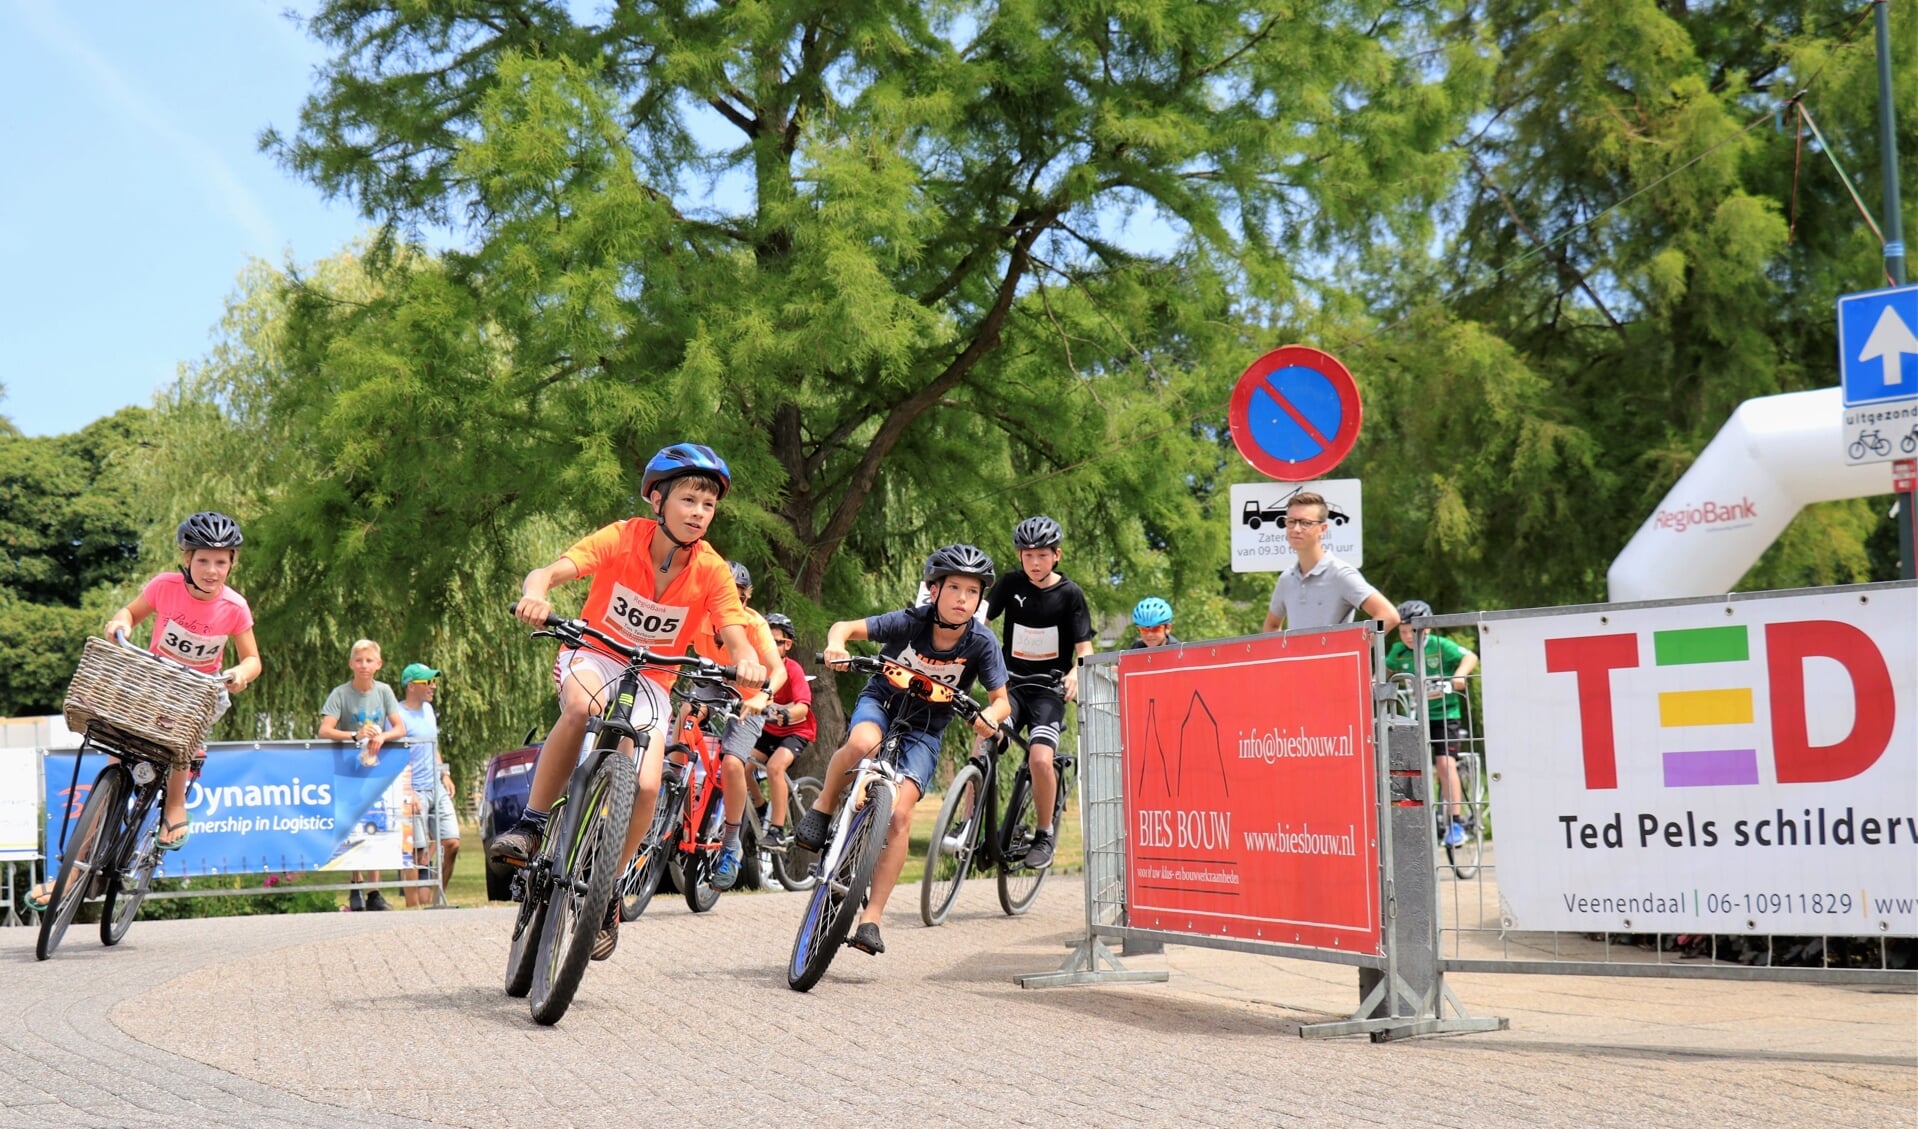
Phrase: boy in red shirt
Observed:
(790, 727)
(656, 584)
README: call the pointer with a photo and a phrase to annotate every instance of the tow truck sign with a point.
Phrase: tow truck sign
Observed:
(1258, 523)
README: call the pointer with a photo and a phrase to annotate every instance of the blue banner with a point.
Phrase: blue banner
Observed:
(267, 806)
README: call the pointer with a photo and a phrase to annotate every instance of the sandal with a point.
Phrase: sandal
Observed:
(184, 827)
(38, 904)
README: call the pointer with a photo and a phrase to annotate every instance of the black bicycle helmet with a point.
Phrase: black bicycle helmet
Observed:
(1411, 609)
(209, 530)
(1039, 532)
(780, 621)
(959, 560)
(741, 576)
(682, 459)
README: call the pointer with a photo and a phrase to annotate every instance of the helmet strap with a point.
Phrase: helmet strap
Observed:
(660, 513)
(186, 574)
(935, 591)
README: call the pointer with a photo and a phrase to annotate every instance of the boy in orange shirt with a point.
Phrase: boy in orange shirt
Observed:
(656, 584)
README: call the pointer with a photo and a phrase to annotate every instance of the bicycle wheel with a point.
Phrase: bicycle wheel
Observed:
(1018, 884)
(592, 835)
(752, 876)
(697, 868)
(955, 836)
(90, 843)
(641, 880)
(128, 883)
(528, 925)
(793, 868)
(839, 896)
(1464, 858)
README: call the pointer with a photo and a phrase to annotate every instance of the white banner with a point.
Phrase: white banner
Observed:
(1747, 767)
(19, 803)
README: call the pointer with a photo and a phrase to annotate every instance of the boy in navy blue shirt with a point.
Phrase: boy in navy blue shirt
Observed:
(942, 641)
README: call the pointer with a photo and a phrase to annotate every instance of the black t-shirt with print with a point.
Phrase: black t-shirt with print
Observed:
(1042, 627)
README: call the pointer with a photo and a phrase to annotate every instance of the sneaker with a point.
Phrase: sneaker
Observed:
(1039, 855)
(607, 939)
(355, 902)
(866, 940)
(775, 839)
(516, 846)
(376, 901)
(726, 870)
(1455, 834)
(813, 829)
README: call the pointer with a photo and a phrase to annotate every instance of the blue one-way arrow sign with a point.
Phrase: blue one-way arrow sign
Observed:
(1878, 345)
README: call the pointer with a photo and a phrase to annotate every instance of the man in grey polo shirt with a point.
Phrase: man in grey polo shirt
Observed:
(1320, 590)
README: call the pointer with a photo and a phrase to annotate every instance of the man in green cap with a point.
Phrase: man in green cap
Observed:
(434, 819)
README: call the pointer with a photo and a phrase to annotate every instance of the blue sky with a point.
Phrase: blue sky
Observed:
(133, 191)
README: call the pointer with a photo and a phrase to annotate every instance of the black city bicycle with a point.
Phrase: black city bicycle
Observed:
(858, 831)
(112, 848)
(563, 891)
(971, 835)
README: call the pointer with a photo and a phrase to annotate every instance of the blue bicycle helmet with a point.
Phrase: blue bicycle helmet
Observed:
(1151, 612)
(682, 459)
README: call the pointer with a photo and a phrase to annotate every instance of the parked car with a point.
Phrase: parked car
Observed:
(509, 777)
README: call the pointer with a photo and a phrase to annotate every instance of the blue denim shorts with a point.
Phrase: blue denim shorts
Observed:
(918, 748)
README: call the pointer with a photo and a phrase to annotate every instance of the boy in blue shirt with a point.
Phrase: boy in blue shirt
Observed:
(943, 641)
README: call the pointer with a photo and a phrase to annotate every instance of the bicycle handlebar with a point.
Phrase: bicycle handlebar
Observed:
(575, 632)
(962, 703)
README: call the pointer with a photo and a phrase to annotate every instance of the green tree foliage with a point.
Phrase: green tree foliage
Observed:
(70, 527)
(1636, 248)
(917, 270)
(910, 309)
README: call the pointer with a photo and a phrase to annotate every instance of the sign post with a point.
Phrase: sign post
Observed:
(1295, 413)
(1258, 523)
(1878, 368)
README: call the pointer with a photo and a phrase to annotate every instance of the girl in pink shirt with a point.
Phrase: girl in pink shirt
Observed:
(194, 615)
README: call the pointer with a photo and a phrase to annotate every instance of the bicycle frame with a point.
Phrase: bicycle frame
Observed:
(696, 741)
(876, 767)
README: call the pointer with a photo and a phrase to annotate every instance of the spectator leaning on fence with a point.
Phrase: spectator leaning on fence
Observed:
(1320, 590)
(435, 825)
(363, 708)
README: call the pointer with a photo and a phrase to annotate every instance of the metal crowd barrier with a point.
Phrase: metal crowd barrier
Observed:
(1444, 912)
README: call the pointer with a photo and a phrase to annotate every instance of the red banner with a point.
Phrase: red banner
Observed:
(1251, 790)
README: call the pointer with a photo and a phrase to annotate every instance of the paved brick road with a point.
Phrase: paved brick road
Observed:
(397, 1019)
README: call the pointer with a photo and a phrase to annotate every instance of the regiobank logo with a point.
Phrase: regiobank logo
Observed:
(1729, 711)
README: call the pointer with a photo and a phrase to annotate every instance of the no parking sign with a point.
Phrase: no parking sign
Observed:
(1295, 413)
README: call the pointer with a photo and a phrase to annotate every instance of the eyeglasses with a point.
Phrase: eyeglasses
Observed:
(424, 682)
(1304, 522)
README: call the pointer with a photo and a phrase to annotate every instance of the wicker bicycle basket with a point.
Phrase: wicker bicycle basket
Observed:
(141, 696)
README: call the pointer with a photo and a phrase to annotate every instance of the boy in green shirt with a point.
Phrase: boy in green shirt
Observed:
(1445, 670)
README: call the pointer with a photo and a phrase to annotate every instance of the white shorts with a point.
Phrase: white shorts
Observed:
(651, 707)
